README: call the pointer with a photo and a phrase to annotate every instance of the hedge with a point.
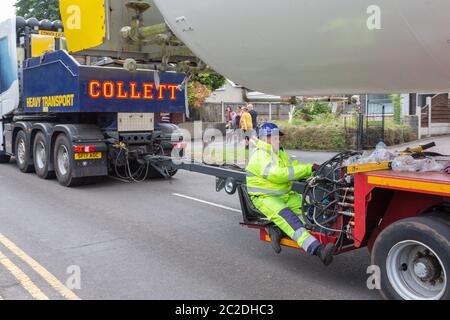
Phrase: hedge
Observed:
(339, 138)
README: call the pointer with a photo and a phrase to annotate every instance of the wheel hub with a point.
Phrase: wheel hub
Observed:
(41, 155)
(415, 271)
(63, 160)
(21, 151)
(427, 268)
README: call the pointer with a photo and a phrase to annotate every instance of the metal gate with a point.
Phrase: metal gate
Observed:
(366, 130)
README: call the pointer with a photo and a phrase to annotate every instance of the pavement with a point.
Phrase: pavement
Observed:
(442, 144)
(160, 239)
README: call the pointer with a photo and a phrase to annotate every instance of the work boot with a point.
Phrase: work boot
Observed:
(275, 235)
(325, 253)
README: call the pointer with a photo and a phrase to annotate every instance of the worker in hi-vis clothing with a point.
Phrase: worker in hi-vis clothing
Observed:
(270, 176)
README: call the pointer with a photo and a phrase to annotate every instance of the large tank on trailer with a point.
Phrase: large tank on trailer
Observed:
(120, 29)
(292, 47)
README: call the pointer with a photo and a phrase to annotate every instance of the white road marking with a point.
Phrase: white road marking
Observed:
(207, 202)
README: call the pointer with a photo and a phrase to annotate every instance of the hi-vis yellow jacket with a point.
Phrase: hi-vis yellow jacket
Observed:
(270, 173)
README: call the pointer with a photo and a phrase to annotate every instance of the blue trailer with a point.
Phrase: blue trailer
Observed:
(77, 120)
(57, 83)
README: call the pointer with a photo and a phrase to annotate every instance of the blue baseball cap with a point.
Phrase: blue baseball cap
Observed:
(269, 129)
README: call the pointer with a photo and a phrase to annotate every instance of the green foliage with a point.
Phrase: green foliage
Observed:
(40, 9)
(328, 132)
(293, 100)
(313, 109)
(319, 137)
(201, 86)
(397, 102)
(326, 119)
(212, 81)
(191, 96)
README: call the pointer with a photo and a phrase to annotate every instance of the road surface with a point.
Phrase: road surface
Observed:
(175, 239)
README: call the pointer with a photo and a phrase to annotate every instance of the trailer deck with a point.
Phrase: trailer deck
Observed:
(425, 182)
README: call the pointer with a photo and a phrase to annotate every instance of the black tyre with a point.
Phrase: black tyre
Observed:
(4, 158)
(63, 163)
(23, 154)
(172, 173)
(41, 157)
(414, 259)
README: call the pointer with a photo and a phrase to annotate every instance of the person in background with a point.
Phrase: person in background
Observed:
(237, 118)
(229, 127)
(246, 123)
(229, 117)
(254, 114)
(246, 126)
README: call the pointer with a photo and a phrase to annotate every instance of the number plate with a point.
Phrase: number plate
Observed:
(88, 156)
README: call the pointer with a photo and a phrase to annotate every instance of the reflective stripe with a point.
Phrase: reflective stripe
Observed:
(298, 234)
(291, 173)
(265, 191)
(249, 174)
(267, 170)
(312, 249)
(291, 219)
(310, 244)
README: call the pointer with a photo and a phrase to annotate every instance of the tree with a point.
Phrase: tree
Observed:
(201, 86)
(39, 9)
(197, 94)
(212, 81)
(397, 102)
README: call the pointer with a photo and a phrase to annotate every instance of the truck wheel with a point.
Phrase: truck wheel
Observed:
(40, 157)
(172, 173)
(414, 257)
(23, 159)
(62, 161)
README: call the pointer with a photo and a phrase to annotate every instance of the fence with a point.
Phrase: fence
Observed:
(365, 131)
(215, 112)
(361, 130)
(434, 117)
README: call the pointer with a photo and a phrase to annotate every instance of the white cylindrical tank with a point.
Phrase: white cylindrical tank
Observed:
(305, 47)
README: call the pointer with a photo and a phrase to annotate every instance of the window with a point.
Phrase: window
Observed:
(375, 103)
(7, 73)
(422, 99)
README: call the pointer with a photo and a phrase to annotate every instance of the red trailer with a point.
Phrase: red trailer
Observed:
(404, 220)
